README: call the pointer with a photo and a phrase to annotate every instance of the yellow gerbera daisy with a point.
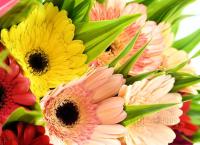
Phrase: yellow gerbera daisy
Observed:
(44, 47)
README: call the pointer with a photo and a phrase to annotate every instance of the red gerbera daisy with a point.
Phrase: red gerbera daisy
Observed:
(14, 91)
(24, 134)
(185, 126)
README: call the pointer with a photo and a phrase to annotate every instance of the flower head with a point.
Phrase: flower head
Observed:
(24, 134)
(86, 111)
(14, 91)
(151, 58)
(44, 47)
(152, 129)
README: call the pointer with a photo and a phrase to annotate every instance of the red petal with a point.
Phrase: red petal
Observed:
(29, 134)
(2, 74)
(14, 71)
(6, 111)
(20, 130)
(42, 140)
(40, 130)
(21, 85)
(8, 138)
(27, 99)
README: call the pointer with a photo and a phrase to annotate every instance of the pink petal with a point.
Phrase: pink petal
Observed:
(98, 78)
(110, 109)
(6, 5)
(109, 89)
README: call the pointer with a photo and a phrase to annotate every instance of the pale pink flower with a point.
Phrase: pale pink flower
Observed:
(86, 111)
(152, 129)
(6, 5)
(150, 31)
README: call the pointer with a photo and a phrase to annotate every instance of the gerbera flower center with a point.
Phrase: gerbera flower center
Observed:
(68, 113)
(38, 61)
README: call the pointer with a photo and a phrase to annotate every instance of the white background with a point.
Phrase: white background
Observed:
(189, 25)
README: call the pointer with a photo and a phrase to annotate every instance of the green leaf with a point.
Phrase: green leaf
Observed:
(191, 97)
(25, 115)
(132, 79)
(68, 5)
(197, 54)
(182, 83)
(101, 1)
(168, 10)
(18, 13)
(137, 112)
(196, 137)
(98, 35)
(126, 67)
(125, 51)
(3, 56)
(176, 22)
(189, 42)
(78, 10)
(81, 12)
(194, 112)
(178, 67)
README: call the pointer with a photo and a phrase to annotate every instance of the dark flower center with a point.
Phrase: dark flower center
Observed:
(38, 61)
(68, 113)
(2, 96)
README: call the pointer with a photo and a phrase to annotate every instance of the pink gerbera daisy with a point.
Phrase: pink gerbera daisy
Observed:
(14, 91)
(86, 111)
(153, 129)
(151, 58)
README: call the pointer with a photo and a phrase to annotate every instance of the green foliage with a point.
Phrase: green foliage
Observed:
(191, 97)
(99, 35)
(189, 42)
(33, 116)
(3, 56)
(196, 137)
(178, 67)
(126, 67)
(125, 51)
(166, 11)
(78, 10)
(194, 112)
(131, 79)
(137, 112)
(18, 13)
(176, 22)
(100, 1)
(183, 80)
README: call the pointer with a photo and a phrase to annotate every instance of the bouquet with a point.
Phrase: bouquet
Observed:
(105, 72)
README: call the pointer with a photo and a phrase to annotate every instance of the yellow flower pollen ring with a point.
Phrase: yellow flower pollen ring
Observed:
(43, 45)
